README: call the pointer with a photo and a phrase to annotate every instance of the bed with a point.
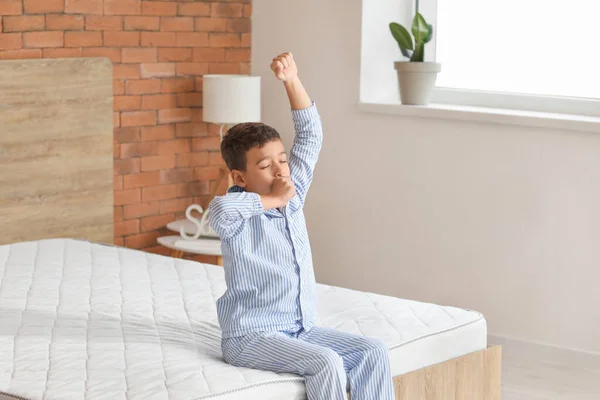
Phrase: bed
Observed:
(81, 318)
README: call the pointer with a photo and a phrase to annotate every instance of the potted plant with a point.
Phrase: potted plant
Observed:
(416, 77)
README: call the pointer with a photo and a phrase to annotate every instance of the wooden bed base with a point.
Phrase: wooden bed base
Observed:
(474, 376)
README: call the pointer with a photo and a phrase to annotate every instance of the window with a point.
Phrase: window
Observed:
(532, 54)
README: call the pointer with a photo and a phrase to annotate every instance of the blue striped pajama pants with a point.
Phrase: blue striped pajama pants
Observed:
(326, 358)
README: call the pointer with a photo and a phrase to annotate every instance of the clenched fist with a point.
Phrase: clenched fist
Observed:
(282, 191)
(284, 67)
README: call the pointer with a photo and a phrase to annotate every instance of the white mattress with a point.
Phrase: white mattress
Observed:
(80, 320)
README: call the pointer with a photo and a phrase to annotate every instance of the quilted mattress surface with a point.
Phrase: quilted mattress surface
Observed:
(81, 320)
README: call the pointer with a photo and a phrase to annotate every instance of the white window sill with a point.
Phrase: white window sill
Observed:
(487, 115)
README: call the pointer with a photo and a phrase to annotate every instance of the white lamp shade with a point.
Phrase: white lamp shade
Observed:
(231, 99)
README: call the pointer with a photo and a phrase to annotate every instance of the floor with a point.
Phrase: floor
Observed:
(534, 372)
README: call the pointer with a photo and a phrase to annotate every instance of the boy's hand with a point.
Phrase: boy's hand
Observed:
(282, 192)
(284, 67)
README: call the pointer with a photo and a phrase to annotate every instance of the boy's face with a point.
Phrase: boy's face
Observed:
(263, 165)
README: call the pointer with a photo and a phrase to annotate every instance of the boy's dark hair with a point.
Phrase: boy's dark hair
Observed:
(242, 137)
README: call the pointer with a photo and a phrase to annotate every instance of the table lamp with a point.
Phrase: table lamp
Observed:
(227, 100)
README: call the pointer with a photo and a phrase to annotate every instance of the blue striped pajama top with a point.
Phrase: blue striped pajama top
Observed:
(266, 253)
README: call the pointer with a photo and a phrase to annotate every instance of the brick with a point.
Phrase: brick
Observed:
(126, 71)
(247, 10)
(119, 242)
(174, 54)
(178, 85)
(141, 210)
(116, 150)
(176, 175)
(116, 120)
(191, 129)
(121, 39)
(84, 6)
(160, 250)
(122, 7)
(142, 86)
(240, 25)
(62, 53)
(160, 8)
(189, 39)
(191, 159)
(125, 228)
(194, 188)
(189, 99)
(124, 197)
(237, 55)
(139, 149)
(118, 182)
(159, 101)
(208, 24)
(153, 163)
(206, 144)
(127, 166)
(157, 70)
(11, 7)
(138, 118)
(174, 146)
(224, 68)
(175, 205)
(156, 222)
(118, 87)
(112, 53)
(43, 6)
(10, 41)
(24, 23)
(137, 55)
(83, 39)
(197, 117)
(118, 210)
(127, 135)
(229, 10)
(158, 132)
(177, 24)
(215, 158)
(174, 115)
(208, 54)
(159, 39)
(20, 54)
(207, 173)
(185, 69)
(245, 69)
(103, 23)
(61, 22)
(141, 241)
(162, 192)
(143, 179)
(138, 23)
(246, 40)
(43, 39)
(124, 103)
(224, 40)
(194, 9)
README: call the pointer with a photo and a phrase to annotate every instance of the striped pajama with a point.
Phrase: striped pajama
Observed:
(268, 312)
(326, 358)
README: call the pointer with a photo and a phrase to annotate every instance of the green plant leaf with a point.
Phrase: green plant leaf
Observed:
(401, 35)
(430, 34)
(420, 29)
(419, 53)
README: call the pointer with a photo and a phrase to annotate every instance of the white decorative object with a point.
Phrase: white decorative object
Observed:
(202, 226)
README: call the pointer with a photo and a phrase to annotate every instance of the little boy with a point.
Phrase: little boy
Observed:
(268, 311)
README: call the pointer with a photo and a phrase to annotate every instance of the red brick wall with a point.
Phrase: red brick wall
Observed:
(166, 158)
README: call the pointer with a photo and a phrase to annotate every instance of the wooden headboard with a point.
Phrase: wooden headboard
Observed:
(56, 149)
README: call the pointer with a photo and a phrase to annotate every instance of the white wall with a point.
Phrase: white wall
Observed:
(501, 219)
